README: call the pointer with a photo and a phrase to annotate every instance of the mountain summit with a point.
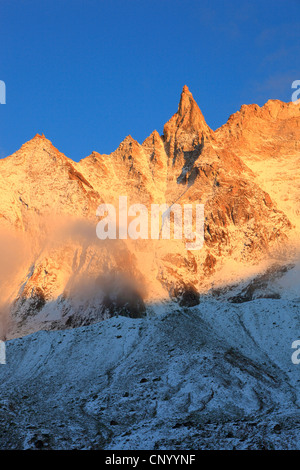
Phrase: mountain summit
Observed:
(189, 113)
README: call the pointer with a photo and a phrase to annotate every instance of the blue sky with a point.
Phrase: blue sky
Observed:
(86, 73)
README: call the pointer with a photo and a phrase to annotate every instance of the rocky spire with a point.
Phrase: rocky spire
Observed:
(188, 117)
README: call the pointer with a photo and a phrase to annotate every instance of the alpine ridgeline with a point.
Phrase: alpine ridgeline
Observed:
(56, 273)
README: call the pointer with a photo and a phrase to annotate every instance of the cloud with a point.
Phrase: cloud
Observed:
(227, 20)
(281, 32)
(15, 252)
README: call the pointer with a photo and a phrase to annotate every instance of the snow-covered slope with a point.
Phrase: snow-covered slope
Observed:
(215, 376)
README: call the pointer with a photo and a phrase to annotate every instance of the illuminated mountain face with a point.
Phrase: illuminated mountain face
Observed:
(56, 270)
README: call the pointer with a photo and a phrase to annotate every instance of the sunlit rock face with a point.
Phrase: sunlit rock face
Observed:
(267, 139)
(245, 174)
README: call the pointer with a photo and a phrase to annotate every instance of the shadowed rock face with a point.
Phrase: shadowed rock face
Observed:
(187, 295)
(51, 201)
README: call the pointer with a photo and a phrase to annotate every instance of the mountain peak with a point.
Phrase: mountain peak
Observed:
(153, 138)
(39, 136)
(38, 139)
(39, 149)
(188, 108)
(188, 118)
(128, 143)
(186, 101)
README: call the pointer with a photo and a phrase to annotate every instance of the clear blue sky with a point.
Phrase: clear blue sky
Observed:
(86, 73)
